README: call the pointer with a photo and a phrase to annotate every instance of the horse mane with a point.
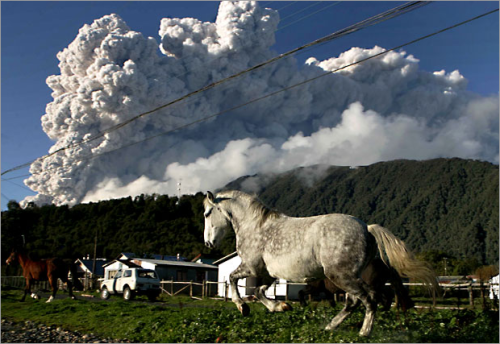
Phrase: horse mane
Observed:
(263, 212)
(255, 206)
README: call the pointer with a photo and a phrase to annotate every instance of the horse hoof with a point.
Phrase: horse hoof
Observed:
(364, 334)
(244, 309)
(73, 298)
(50, 299)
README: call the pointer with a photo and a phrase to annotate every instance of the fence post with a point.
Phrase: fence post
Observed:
(225, 291)
(286, 291)
(483, 296)
(203, 289)
(471, 296)
(191, 289)
(172, 287)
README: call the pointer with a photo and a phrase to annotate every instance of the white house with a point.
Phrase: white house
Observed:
(494, 290)
(179, 270)
(246, 286)
(84, 267)
(112, 268)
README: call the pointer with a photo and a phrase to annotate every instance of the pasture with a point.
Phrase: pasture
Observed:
(181, 319)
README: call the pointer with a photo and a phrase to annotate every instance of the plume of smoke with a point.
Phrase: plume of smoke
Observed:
(383, 109)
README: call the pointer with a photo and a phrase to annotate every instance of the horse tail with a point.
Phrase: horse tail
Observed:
(74, 278)
(403, 260)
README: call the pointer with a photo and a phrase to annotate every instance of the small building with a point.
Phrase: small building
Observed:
(246, 286)
(179, 271)
(200, 259)
(84, 267)
(112, 268)
(129, 255)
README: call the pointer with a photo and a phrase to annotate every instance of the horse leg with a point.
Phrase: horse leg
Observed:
(53, 286)
(308, 290)
(70, 289)
(403, 300)
(241, 272)
(358, 291)
(330, 297)
(351, 303)
(272, 306)
(27, 289)
(67, 280)
(386, 298)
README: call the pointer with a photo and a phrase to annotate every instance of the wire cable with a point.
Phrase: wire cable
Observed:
(309, 15)
(300, 11)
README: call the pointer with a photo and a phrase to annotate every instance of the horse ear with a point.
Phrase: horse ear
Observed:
(210, 197)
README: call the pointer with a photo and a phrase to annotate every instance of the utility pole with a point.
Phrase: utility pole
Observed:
(95, 253)
(179, 191)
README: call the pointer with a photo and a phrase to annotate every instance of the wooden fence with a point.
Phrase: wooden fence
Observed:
(200, 290)
(19, 282)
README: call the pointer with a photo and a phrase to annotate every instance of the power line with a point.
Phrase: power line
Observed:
(309, 15)
(7, 198)
(21, 186)
(282, 8)
(12, 178)
(399, 10)
(289, 87)
(300, 11)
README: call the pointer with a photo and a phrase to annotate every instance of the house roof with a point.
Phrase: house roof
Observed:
(128, 263)
(223, 259)
(176, 263)
(131, 255)
(87, 265)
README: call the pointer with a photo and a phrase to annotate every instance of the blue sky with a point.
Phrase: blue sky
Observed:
(32, 33)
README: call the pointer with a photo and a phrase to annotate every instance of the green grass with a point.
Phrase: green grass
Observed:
(186, 320)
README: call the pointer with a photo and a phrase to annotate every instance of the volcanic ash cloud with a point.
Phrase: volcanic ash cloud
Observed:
(382, 109)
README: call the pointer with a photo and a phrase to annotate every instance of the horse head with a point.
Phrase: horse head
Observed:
(217, 220)
(12, 258)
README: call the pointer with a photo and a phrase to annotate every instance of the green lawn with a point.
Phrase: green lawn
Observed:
(181, 319)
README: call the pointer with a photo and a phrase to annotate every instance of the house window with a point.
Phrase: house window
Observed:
(182, 275)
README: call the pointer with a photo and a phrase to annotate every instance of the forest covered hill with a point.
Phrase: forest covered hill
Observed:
(446, 207)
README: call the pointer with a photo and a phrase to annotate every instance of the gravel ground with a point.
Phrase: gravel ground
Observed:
(31, 332)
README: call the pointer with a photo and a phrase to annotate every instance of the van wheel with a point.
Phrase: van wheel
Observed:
(127, 294)
(104, 293)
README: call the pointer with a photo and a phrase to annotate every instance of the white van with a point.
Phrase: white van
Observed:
(131, 282)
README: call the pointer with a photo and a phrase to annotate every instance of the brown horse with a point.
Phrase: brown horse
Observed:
(47, 269)
(376, 274)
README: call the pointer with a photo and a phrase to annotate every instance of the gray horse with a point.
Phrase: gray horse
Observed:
(272, 245)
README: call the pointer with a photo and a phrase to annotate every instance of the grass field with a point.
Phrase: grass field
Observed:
(181, 319)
